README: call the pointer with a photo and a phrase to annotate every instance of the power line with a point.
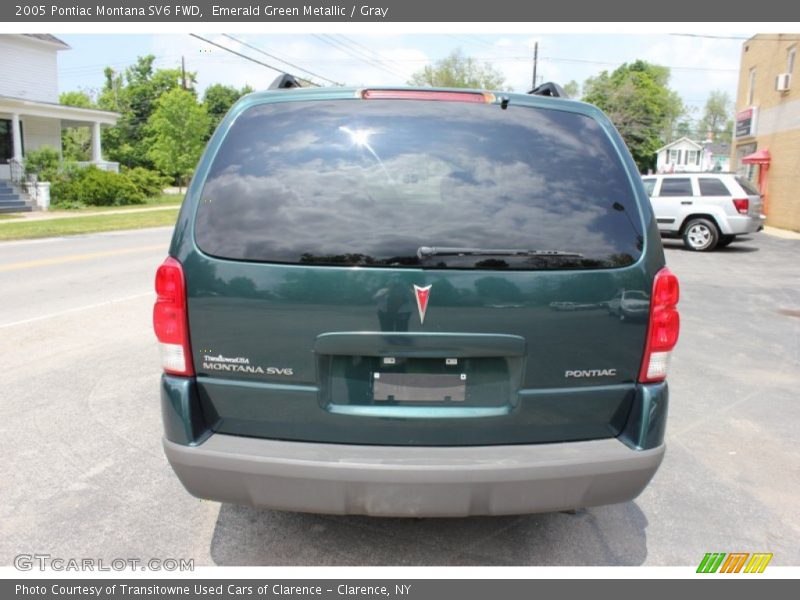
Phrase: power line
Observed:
(250, 58)
(243, 43)
(372, 52)
(359, 55)
(761, 37)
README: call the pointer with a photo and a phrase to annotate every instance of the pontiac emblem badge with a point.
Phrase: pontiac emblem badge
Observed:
(422, 294)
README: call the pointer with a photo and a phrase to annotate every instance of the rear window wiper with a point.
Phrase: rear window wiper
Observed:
(424, 252)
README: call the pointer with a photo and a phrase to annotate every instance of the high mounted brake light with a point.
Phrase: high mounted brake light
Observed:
(663, 329)
(473, 97)
(169, 319)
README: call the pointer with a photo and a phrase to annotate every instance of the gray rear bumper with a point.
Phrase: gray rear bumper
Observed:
(412, 481)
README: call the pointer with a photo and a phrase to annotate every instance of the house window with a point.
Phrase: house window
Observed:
(673, 157)
(751, 86)
(691, 157)
(791, 54)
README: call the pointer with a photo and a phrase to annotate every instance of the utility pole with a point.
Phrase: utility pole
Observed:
(535, 61)
(183, 73)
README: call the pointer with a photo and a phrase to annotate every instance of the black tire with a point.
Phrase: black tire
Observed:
(700, 235)
(725, 240)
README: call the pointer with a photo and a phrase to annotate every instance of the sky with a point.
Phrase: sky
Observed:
(699, 64)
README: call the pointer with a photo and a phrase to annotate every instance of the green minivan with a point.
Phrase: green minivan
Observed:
(405, 302)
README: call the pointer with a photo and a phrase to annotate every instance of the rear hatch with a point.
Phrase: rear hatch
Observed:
(755, 204)
(427, 270)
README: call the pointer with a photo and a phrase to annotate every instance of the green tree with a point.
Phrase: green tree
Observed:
(716, 117)
(76, 142)
(178, 129)
(572, 89)
(134, 94)
(218, 98)
(637, 99)
(459, 71)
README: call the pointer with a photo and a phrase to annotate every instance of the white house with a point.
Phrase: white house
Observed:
(680, 156)
(687, 156)
(30, 115)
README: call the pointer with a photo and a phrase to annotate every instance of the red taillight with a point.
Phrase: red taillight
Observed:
(742, 205)
(663, 329)
(475, 97)
(169, 319)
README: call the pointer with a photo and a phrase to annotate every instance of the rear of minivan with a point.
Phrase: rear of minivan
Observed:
(398, 302)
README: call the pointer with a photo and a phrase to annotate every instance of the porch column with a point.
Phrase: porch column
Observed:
(97, 150)
(16, 136)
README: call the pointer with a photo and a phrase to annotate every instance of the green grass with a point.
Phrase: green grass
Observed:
(88, 224)
(6, 216)
(156, 201)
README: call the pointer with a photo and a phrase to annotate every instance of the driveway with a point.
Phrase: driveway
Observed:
(83, 473)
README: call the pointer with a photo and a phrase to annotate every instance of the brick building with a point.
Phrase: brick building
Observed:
(766, 146)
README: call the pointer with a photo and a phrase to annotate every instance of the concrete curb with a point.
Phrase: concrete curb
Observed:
(785, 234)
(44, 216)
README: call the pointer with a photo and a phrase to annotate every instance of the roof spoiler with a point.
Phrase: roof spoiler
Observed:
(549, 89)
(284, 82)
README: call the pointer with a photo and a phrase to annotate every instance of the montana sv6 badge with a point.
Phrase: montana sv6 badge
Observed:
(241, 364)
(422, 294)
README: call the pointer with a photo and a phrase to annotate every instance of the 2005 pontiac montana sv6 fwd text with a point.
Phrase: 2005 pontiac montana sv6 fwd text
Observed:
(399, 302)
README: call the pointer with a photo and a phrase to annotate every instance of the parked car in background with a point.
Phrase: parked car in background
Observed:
(392, 302)
(707, 210)
(630, 304)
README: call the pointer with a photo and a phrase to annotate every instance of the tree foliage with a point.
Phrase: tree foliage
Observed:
(76, 142)
(637, 99)
(218, 99)
(135, 94)
(572, 89)
(177, 132)
(716, 118)
(459, 71)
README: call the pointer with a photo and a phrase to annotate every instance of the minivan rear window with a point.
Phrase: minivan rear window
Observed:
(372, 183)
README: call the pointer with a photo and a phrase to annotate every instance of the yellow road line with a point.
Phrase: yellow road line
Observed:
(58, 260)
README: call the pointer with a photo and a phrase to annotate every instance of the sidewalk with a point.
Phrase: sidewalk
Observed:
(41, 215)
(786, 234)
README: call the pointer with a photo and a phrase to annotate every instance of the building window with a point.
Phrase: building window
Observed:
(673, 157)
(742, 150)
(691, 157)
(791, 54)
(751, 83)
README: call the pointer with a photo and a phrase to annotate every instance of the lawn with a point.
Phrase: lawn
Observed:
(88, 224)
(162, 200)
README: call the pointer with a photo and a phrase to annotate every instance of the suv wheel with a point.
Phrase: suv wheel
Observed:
(700, 235)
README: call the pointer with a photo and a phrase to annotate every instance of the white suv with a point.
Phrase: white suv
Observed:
(708, 210)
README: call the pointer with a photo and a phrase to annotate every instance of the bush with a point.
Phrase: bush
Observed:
(148, 182)
(93, 187)
(44, 163)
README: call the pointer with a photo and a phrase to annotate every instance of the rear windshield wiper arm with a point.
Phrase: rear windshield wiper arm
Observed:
(424, 252)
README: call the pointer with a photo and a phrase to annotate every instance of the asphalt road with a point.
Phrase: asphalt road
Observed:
(83, 475)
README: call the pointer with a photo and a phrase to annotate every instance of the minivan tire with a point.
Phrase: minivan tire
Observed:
(701, 235)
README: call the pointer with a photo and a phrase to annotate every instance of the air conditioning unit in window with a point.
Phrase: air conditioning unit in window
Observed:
(782, 82)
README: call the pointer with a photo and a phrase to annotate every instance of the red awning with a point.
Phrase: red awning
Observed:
(759, 157)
